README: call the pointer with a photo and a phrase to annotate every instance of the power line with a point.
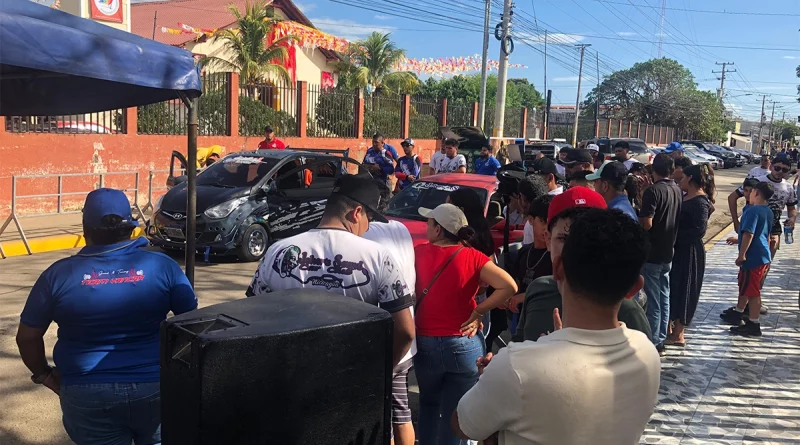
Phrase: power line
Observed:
(705, 11)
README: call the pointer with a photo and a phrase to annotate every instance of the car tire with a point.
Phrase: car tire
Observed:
(254, 243)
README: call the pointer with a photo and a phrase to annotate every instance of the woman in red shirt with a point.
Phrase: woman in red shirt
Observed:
(449, 273)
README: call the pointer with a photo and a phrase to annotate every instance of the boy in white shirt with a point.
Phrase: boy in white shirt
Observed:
(594, 381)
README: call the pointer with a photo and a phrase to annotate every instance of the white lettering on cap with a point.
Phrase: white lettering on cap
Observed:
(580, 202)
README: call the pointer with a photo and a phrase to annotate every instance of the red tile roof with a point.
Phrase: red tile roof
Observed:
(208, 14)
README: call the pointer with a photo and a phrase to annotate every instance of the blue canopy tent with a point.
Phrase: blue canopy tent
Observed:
(54, 63)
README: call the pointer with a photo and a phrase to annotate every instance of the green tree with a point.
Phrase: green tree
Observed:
(466, 89)
(786, 131)
(246, 50)
(369, 62)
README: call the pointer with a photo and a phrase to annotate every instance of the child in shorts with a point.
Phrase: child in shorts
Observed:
(753, 261)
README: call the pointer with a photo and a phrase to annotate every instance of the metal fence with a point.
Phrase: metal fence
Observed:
(60, 195)
(459, 114)
(382, 114)
(270, 103)
(512, 125)
(331, 112)
(213, 110)
(103, 122)
(424, 118)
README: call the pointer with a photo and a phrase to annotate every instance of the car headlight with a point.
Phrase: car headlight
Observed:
(226, 208)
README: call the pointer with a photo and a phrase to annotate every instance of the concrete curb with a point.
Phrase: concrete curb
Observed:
(51, 243)
(718, 237)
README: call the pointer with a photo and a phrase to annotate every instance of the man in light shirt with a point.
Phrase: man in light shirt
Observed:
(621, 151)
(592, 381)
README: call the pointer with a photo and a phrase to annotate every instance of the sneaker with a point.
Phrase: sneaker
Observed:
(731, 316)
(763, 310)
(748, 329)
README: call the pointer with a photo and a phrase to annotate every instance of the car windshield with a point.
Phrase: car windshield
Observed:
(406, 204)
(633, 146)
(236, 171)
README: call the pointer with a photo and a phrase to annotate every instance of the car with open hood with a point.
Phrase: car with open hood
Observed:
(247, 200)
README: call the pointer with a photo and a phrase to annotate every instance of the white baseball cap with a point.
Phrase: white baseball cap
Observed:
(593, 147)
(447, 215)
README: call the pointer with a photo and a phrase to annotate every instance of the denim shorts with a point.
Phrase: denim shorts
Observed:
(112, 413)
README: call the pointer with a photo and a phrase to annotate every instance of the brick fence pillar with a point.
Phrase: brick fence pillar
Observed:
(475, 116)
(523, 125)
(232, 104)
(302, 108)
(358, 113)
(405, 116)
(130, 123)
(443, 112)
(619, 130)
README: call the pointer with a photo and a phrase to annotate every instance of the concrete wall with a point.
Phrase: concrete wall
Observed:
(48, 154)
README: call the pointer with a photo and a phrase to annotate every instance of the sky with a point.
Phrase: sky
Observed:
(765, 48)
(762, 39)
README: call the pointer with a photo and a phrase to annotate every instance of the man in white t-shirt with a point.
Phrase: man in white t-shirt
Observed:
(396, 237)
(436, 160)
(335, 257)
(762, 170)
(621, 149)
(452, 162)
(593, 382)
(529, 189)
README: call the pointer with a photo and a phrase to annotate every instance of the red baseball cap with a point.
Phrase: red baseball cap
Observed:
(575, 197)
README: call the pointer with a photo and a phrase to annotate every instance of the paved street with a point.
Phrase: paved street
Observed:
(717, 389)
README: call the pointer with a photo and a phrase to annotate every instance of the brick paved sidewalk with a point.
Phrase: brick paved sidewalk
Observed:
(734, 390)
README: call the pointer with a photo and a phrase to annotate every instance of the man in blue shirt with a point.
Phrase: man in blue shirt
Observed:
(486, 164)
(609, 181)
(408, 167)
(108, 301)
(379, 160)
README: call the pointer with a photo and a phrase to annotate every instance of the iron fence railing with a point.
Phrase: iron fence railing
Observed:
(213, 109)
(512, 125)
(331, 112)
(382, 114)
(424, 118)
(273, 104)
(459, 114)
(168, 117)
(103, 122)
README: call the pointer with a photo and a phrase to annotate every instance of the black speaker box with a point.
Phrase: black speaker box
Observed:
(296, 367)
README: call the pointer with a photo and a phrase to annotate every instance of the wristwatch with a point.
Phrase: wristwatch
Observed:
(39, 379)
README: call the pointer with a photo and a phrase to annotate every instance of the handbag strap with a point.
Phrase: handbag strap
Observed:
(428, 288)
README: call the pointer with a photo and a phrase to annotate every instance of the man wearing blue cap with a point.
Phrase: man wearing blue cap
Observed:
(674, 150)
(108, 301)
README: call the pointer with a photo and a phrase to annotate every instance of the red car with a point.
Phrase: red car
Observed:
(431, 191)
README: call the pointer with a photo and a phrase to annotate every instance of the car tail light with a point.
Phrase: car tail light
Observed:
(650, 158)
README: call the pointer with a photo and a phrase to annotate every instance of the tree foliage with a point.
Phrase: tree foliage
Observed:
(245, 45)
(785, 130)
(660, 92)
(467, 89)
(368, 64)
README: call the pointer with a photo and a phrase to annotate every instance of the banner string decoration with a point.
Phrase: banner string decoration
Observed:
(311, 38)
(448, 66)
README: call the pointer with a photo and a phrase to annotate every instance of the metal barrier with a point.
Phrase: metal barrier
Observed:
(150, 188)
(60, 195)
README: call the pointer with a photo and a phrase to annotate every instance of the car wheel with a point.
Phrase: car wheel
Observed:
(254, 243)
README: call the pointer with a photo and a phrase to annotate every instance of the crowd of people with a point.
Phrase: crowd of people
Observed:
(609, 274)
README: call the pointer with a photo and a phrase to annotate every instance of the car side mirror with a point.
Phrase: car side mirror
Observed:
(180, 179)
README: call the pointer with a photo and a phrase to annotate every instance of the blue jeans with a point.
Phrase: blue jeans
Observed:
(112, 413)
(446, 369)
(656, 286)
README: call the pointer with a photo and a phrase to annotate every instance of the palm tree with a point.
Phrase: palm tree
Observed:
(370, 63)
(245, 47)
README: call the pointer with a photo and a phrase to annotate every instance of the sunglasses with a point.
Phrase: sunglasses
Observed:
(781, 169)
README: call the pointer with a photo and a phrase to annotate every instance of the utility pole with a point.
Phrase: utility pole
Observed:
(780, 143)
(155, 19)
(771, 119)
(578, 99)
(661, 29)
(484, 64)
(597, 101)
(721, 93)
(546, 114)
(761, 124)
(502, 73)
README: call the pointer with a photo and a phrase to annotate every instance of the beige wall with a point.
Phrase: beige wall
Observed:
(310, 63)
(82, 8)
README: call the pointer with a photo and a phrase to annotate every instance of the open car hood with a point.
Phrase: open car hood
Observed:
(469, 138)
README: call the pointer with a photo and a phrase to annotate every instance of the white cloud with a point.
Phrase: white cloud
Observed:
(566, 79)
(383, 17)
(305, 8)
(552, 39)
(627, 34)
(348, 29)
(790, 57)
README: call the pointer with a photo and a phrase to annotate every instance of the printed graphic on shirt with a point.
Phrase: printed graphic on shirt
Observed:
(100, 277)
(451, 165)
(291, 258)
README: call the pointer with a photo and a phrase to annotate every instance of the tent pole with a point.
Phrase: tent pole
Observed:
(191, 190)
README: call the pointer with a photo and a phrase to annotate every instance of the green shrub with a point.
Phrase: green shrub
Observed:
(254, 116)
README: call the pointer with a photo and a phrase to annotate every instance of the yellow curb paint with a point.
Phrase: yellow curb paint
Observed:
(713, 241)
(52, 243)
